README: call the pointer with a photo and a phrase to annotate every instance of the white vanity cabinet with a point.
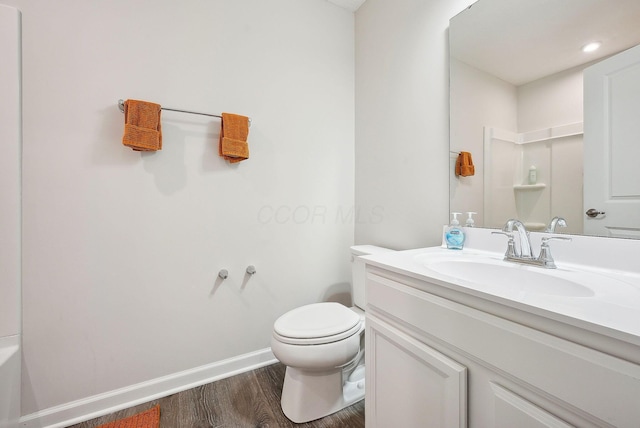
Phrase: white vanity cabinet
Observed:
(438, 357)
(411, 382)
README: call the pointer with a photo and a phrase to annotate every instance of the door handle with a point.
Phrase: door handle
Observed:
(593, 213)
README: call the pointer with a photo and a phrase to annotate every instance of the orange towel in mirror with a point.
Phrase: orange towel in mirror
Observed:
(234, 130)
(464, 165)
(142, 128)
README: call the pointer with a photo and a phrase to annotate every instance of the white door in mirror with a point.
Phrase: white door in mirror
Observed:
(611, 149)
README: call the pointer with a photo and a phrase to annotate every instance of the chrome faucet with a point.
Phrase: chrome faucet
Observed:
(524, 253)
(556, 222)
(523, 234)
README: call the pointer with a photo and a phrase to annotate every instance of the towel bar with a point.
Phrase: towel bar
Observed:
(121, 107)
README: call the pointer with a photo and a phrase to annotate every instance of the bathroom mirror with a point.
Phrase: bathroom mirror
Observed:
(516, 99)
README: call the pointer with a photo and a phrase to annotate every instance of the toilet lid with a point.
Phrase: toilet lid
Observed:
(316, 321)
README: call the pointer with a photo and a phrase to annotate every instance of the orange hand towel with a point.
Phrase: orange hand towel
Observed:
(142, 129)
(234, 131)
(464, 165)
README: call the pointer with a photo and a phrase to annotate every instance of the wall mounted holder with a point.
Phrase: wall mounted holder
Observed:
(121, 107)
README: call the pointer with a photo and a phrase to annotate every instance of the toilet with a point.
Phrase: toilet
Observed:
(322, 345)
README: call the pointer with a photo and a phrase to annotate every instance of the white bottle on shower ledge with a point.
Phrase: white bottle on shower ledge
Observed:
(533, 175)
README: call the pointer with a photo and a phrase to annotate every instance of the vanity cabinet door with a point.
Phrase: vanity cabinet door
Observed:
(410, 384)
(511, 410)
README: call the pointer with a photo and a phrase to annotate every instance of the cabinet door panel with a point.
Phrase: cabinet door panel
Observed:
(410, 384)
(511, 410)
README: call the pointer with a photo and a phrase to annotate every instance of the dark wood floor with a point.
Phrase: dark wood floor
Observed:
(249, 399)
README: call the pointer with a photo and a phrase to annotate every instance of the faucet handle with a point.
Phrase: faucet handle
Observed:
(545, 251)
(508, 234)
(556, 222)
(511, 245)
(546, 239)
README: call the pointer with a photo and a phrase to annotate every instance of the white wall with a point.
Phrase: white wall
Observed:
(551, 101)
(10, 135)
(478, 100)
(121, 248)
(402, 110)
(10, 145)
(567, 170)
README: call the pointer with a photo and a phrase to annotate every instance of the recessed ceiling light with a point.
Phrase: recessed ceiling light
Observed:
(590, 47)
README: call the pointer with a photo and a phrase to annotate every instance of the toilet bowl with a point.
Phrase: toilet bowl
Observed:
(322, 345)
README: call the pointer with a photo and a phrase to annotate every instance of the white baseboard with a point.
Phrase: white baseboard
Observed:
(112, 401)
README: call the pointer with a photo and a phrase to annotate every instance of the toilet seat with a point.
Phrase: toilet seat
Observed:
(316, 324)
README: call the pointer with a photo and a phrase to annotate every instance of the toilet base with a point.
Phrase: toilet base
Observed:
(307, 395)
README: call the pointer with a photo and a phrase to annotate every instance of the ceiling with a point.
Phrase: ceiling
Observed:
(490, 34)
(351, 5)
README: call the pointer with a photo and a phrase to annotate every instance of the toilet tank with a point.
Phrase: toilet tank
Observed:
(357, 271)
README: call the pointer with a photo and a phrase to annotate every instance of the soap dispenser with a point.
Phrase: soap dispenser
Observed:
(470, 221)
(454, 235)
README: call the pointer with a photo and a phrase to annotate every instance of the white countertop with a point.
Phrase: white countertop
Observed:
(611, 308)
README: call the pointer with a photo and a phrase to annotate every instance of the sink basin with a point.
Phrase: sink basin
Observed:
(506, 278)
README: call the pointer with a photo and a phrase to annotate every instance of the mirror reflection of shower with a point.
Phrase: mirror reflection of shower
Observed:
(534, 176)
